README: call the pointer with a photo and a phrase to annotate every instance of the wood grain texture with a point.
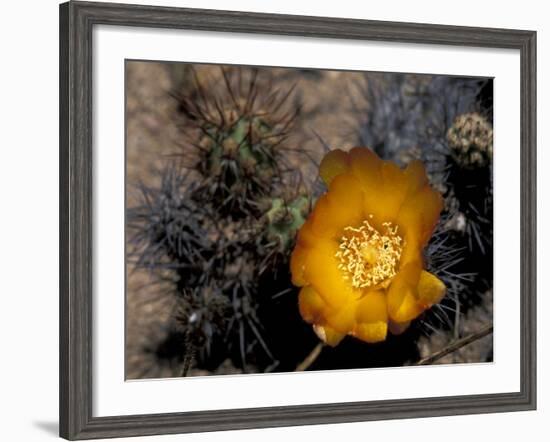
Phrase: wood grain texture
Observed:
(76, 166)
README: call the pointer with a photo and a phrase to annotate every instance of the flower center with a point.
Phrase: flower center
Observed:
(367, 256)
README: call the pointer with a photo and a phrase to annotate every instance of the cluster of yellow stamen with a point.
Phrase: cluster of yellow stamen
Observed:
(368, 257)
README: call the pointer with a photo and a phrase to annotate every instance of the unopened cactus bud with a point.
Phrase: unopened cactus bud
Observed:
(470, 140)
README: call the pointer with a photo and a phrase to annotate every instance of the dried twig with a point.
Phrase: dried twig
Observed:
(310, 358)
(189, 355)
(456, 345)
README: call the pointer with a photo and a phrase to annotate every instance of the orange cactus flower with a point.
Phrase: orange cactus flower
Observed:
(359, 256)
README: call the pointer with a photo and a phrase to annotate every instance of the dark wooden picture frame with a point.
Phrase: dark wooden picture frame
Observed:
(77, 20)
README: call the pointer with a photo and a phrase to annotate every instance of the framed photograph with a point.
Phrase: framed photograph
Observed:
(271, 220)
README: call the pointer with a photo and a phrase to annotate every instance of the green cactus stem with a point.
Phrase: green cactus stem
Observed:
(284, 219)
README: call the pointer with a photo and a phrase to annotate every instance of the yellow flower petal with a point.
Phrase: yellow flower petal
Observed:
(339, 208)
(328, 335)
(419, 215)
(342, 319)
(297, 265)
(333, 164)
(322, 272)
(397, 328)
(311, 305)
(372, 307)
(372, 317)
(306, 237)
(415, 173)
(372, 332)
(408, 308)
(431, 289)
(395, 189)
(385, 185)
(316, 311)
(403, 305)
(365, 165)
(412, 250)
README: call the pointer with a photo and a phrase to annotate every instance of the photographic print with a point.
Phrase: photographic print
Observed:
(287, 219)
